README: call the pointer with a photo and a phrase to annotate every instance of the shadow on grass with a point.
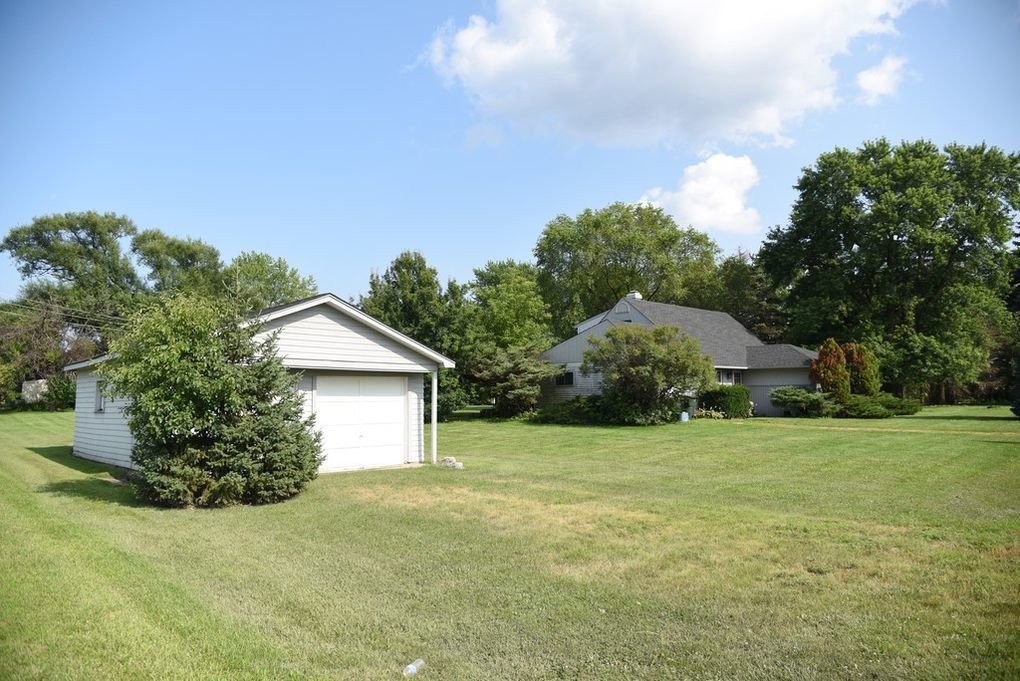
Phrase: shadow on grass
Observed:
(96, 489)
(64, 457)
(98, 486)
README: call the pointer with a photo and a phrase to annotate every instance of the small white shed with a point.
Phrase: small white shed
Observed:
(363, 380)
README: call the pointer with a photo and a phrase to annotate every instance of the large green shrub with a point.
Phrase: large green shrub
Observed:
(60, 389)
(863, 407)
(513, 377)
(801, 402)
(646, 372)
(215, 416)
(734, 401)
(582, 410)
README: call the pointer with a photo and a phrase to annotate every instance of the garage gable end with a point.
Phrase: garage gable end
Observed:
(322, 337)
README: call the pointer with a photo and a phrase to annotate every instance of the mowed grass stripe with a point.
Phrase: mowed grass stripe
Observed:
(704, 550)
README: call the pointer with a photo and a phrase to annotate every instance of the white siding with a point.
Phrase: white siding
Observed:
(323, 338)
(762, 382)
(416, 418)
(590, 384)
(102, 436)
(105, 437)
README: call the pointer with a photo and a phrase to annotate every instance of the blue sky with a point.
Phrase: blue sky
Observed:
(337, 136)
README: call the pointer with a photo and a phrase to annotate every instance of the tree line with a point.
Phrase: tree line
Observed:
(905, 248)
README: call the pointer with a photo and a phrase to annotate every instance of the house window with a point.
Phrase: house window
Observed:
(737, 378)
(727, 376)
(566, 378)
(100, 397)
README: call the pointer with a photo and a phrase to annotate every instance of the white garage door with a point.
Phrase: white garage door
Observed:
(363, 420)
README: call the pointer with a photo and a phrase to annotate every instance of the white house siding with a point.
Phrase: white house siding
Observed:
(583, 385)
(323, 338)
(102, 436)
(762, 382)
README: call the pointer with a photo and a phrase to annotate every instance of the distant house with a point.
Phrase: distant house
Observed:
(363, 381)
(737, 354)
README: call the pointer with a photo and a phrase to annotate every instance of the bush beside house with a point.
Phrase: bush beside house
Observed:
(732, 401)
(216, 418)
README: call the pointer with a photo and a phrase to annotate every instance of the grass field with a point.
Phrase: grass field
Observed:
(763, 549)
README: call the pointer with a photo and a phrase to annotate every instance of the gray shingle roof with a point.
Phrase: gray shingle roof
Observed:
(779, 356)
(720, 335)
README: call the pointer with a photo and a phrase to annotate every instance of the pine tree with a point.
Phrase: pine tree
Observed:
(216, 418)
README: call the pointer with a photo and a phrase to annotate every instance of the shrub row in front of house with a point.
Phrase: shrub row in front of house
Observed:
(801, 402)
(727, 401)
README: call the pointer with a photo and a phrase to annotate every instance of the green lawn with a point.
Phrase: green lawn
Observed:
(762, 549)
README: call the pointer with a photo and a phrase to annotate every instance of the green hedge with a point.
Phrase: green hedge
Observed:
(863, 407)
(732, 400)
(801, 402)
(899, 406)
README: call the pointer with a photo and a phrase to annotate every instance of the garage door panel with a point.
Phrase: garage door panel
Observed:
(380, 413)
(363, 421)
(338, 414)
(381, 434)
(381, 386)
(336, 386)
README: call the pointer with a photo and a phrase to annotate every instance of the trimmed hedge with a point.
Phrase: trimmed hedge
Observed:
(578, 411)
(803, 402)
(899, 406)
(732, 400)
(863, 407)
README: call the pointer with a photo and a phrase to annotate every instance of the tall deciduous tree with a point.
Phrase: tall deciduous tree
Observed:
(76, 260)
(587, 263)
(256, 281)
(745, 292)
(178, 264)
(905, 246)
(511, 311)
(511, 328)
(408, 297)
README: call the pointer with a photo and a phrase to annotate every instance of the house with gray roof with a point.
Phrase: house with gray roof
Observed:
(737, 354)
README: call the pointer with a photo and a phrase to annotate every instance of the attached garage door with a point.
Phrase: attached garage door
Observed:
(363, 420)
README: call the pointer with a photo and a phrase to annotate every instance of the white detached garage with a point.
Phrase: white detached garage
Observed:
(363, 380)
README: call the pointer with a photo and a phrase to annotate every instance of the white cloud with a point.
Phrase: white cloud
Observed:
(880, 80)
(711, 195)
(650, 72)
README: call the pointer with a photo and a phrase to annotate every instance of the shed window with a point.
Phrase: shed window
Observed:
(100, 397)
(566, 378)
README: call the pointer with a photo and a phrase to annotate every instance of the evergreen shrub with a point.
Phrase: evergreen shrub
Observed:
(734, 401)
